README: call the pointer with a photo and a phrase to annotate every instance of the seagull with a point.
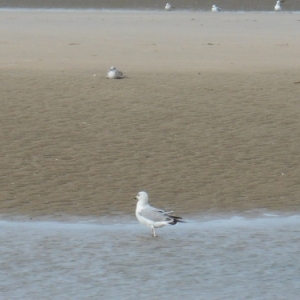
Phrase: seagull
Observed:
(277, 6)
(153, 217)
(215, 8)
(113, 73)
(168, 6)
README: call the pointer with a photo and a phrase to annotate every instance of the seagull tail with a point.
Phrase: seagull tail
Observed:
(174, 220)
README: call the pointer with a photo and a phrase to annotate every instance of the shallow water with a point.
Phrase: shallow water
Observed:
(229, 258)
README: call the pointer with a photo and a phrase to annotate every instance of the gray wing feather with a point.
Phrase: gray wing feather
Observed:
(154, 214)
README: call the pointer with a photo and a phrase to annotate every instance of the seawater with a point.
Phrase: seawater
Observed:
(206, 258)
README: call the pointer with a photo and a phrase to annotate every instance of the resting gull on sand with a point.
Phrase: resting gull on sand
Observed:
(168, 6)
(277, 6)
(153, 217)
(215, 8)
(113, 73)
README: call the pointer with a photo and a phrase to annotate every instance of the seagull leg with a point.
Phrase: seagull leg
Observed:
(153, 231)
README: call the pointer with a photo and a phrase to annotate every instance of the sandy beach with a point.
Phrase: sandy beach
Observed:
(206, 120)
(203, 5)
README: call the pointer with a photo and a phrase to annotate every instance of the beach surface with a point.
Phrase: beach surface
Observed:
(206, 120)
(203, 5)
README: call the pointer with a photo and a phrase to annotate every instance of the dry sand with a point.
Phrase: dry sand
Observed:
(207, 119)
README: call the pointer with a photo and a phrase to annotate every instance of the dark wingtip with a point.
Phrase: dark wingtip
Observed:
(176, 220)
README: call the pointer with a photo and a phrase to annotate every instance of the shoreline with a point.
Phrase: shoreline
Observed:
(130, 219)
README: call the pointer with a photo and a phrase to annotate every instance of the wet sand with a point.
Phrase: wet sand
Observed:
(206, 120)
(204, 5)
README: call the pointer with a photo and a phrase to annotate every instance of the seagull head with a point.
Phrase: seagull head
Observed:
(112, 68)
(142, 197)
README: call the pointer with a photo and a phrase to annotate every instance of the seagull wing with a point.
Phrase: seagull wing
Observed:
(154, 214)
(159, 215)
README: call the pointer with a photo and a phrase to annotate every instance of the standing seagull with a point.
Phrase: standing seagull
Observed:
(168, 6)
(113, 73)
(277, 6)
(215, 8)
(153, 217)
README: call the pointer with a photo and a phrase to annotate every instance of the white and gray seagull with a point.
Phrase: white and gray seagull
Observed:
(215, 8)
(153, 217)
(113, 73)
(168, 6)
(278, 6)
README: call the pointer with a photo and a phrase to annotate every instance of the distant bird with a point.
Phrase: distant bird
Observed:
(113, 73)
(277, 6)
(168, 6)
(215, 8)
(153, 217)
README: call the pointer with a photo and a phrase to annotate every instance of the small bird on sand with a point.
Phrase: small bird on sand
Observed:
(215, 8)
(113, 73)
(153, 217)
(278, 6)
(168, 6)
